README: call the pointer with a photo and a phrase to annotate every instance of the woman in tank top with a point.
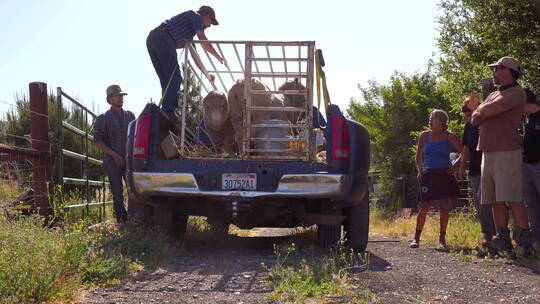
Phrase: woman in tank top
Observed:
(438, 186)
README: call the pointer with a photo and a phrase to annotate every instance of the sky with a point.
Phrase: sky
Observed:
(84, 46)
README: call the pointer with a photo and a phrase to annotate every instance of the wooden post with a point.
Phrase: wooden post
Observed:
(39, 117)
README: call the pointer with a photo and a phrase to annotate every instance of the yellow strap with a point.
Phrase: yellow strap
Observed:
(321, 76)
(318, 79)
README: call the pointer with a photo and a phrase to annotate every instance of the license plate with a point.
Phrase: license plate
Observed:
(238, 181)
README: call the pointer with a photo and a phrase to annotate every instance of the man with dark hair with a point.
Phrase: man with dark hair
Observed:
(531, 161)
(498, 118)
(472, 159)
(172, 34)
(110, 136)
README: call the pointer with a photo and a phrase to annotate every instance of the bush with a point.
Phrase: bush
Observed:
(36, 263)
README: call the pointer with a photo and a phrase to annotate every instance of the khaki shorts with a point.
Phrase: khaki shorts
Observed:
(501, 176)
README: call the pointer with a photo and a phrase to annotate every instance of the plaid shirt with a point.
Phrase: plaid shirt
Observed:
(183, 27)
(111, 128)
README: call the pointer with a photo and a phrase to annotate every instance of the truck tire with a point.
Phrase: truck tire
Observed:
(170, 219)
(356, 225)
(139, 209)
(328, 235)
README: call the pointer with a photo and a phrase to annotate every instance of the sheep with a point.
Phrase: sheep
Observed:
(237, 106)
(290, 100)
(217, 122)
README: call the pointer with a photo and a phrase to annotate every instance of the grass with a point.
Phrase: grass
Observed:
(463, 234)
(40, 264)
(463, 231)
(309, 276)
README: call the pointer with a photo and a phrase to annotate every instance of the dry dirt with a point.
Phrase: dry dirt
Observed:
(231, 272)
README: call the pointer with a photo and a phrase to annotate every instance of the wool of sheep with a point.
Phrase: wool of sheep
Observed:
(217, 121)
(237, 106)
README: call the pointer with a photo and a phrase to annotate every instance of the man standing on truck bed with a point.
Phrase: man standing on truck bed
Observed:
(110, 136)
(172, 34)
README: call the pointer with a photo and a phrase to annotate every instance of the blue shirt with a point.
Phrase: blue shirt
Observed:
(437, 153)
(183, 27)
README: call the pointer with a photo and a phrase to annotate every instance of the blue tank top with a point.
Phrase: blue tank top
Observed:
(437, 153)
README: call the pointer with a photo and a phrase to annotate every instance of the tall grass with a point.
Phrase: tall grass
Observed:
(463, 230)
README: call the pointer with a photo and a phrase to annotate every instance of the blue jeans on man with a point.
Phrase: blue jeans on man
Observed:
(116, 175)
(162, 50)
(483, 211)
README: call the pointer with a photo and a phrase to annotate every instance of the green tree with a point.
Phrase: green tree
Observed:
(474, 33)
(394, 115)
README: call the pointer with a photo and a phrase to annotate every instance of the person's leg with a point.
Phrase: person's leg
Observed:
(117, 189)
(500, 214)
(164, 57)
(420, 221)
(531, 195)
(152, 43)
(444, 215)
(474, 183)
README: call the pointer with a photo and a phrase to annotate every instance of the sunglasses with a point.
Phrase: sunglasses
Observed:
(496, 68)
(465, 109)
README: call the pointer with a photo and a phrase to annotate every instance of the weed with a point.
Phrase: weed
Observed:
(298, 275)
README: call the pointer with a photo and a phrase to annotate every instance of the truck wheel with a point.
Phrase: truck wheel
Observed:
(328, 235)
(139, 209)
(357, 225)
(171, 219)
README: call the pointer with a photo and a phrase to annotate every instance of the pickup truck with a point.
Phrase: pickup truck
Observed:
(256, 189)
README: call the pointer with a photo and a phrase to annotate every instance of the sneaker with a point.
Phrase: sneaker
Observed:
(414, 244)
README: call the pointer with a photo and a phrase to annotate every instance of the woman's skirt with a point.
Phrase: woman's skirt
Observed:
(438, 190)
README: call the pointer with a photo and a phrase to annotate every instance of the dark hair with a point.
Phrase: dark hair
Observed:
(515, 74)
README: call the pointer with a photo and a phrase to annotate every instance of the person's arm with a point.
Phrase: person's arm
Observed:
(465, 158)
(420, 156)
(500, 105)
(119, 161)
(208, 46)
(199, 64)
(458, 146)
(99, 132)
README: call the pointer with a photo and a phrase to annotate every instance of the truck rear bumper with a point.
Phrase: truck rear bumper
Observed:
(290, 185)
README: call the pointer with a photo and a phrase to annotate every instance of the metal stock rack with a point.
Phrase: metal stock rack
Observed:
(271, 62)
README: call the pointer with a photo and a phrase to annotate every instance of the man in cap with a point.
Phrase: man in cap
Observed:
(110, 136)
(174, 33)
(531, 161)
(498, 118)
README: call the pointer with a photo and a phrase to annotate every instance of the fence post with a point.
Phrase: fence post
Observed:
(39, 130)
(60, 141)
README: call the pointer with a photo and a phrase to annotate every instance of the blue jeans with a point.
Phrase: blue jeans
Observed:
(483, 211)
(162, 50)
(531, 195)
(115, 181)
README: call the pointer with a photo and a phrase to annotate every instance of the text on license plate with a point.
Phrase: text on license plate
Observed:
(239, 181)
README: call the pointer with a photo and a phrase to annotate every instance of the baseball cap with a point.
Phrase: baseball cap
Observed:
(114, 90)
(508, 62)
(207, 10)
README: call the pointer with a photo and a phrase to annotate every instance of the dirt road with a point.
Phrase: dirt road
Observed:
(396, 274)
